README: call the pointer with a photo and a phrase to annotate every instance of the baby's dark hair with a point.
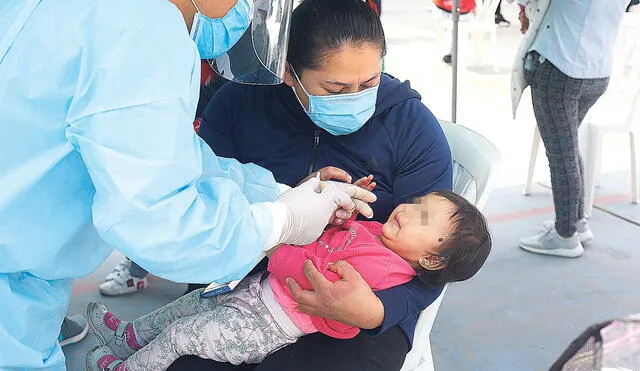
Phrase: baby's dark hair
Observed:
(466, 249)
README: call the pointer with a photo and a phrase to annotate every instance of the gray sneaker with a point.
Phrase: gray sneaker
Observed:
(549, 242)
(109, 329)
(582, 227)
(73, 330)
(102, 358)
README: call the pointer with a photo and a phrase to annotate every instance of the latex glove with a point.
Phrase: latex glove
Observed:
(334, 173)
(310, 206)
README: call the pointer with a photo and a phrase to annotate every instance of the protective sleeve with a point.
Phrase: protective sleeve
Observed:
(161, 196)
(424, 156)
(217, 127)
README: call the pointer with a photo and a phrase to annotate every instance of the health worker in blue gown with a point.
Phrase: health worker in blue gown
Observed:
(97, 151)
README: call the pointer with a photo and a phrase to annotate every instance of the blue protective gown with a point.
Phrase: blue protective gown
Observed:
(97, 150)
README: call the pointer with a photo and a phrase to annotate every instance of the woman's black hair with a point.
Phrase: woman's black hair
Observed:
(321, 26)
(466, 249)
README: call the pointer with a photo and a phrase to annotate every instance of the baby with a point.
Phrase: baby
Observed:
(441, 238)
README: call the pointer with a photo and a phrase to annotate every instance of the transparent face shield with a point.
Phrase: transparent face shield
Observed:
(259, 57)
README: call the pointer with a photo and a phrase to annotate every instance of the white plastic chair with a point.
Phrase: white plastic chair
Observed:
(615, 112)
(475, 28)
(626, 121)
(476, 162)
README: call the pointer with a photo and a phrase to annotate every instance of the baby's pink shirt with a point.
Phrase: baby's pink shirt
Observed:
(354, 242)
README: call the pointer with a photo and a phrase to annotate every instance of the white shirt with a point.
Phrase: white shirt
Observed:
(578, 36)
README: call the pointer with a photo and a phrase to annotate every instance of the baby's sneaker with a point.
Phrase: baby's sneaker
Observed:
(111, 331)
(582, 227)
(102, 358)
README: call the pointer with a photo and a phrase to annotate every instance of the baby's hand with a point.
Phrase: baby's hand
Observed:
(366, 183)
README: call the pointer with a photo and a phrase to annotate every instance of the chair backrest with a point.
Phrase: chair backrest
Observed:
(633, 78)
(476, 161)
(624, 84)
(626, 42)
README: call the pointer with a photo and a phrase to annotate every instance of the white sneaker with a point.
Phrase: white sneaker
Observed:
(582, 227)
(549, 242)
(124, 265)
(120, 281)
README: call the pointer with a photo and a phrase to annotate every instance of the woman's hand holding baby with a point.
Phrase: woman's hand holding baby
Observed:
(348, 300)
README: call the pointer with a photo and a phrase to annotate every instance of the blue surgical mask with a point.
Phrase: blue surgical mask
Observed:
(340, 114)
(215, 37)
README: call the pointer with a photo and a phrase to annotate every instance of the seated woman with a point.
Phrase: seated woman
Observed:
(337, 109)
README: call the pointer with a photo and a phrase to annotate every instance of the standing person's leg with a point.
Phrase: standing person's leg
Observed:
(498, 17)
(586, 102)
(31, 314)
(556, 101)
(73, 330)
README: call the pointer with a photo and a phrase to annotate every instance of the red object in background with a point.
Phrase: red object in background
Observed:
(466, 6)
(207, 73)
(374, 5)
(196, 124)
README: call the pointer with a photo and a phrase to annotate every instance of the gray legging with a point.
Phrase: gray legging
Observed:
(560, 103)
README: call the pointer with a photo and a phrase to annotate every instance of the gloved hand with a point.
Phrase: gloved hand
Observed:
(311, 205)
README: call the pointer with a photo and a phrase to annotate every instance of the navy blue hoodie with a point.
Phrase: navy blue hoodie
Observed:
(402, 146)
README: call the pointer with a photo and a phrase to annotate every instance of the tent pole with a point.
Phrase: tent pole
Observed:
(455, 16)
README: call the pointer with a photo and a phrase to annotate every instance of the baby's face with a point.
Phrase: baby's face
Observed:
(418, 230)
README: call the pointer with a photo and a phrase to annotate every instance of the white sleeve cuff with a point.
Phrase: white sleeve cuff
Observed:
(283, 187)
(273, 213)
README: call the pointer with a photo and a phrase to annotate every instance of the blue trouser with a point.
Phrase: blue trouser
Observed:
(31, 313)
